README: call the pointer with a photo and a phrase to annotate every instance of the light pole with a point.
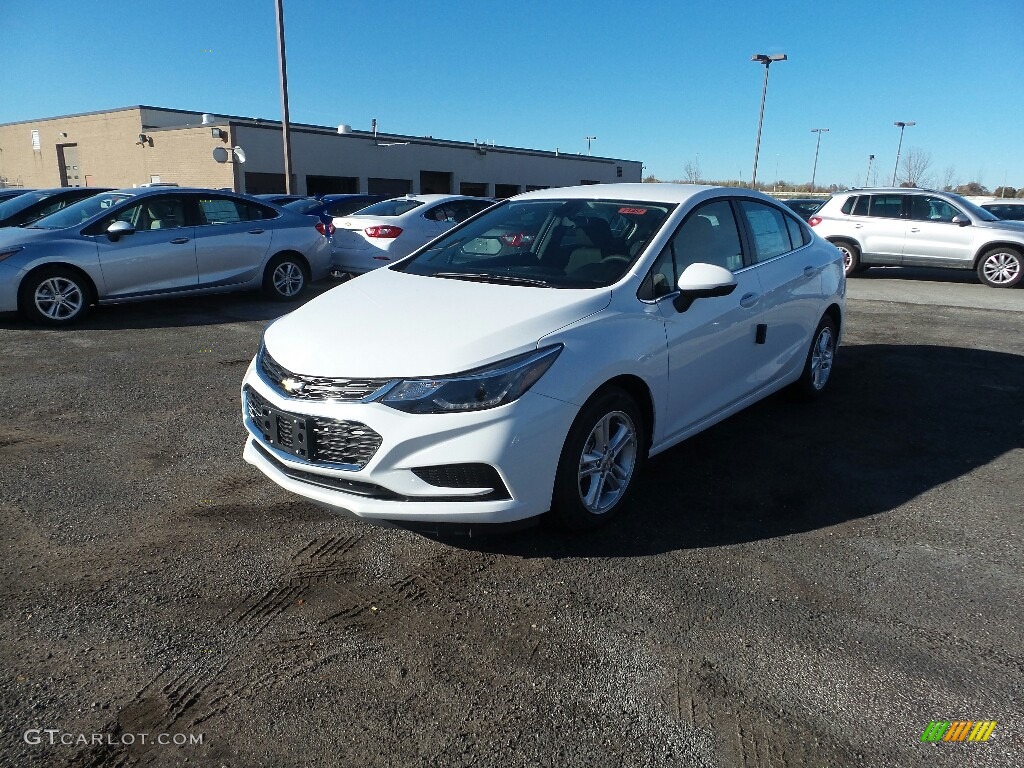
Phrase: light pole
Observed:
(814, 173)
(867, 176)
(283, 68)
(762, 58)
(902, 126)
(590, 139)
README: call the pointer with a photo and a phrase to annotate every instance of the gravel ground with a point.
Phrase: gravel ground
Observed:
(799, 586)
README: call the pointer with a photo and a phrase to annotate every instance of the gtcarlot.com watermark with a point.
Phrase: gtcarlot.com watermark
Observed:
(55, 736)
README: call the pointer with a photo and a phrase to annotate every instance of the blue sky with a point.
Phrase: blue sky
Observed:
(665, 83)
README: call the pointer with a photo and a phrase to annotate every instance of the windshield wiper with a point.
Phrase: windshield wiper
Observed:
(485, 277)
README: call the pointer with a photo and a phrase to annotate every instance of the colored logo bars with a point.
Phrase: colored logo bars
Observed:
(958, 730)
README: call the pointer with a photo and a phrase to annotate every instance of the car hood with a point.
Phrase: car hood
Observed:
(388, 324)
(1017, 227)
(21, 236)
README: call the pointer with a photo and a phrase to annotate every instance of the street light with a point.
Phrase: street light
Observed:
(814, 173)
(763, 58)
(867, 176)
(282, 65)
(590, 139)
(902, 126)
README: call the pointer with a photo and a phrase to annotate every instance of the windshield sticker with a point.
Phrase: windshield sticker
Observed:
(632, 211)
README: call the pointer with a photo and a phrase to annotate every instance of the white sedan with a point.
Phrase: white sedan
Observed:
(534, 357)
(388, 230)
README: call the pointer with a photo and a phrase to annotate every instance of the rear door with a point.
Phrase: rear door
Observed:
(883, 230)
(789, 274)
(233, 237)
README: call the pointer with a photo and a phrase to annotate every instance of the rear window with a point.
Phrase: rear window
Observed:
(390, 207)
(302, 206)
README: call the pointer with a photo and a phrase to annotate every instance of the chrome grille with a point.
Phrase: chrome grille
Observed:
(332, 441)
(317, 387)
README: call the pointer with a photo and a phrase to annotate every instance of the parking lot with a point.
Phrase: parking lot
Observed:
(798, 586)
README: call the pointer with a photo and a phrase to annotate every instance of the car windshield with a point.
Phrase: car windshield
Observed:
(21, 202)
(974, 210)
(303, 206)
(80, 212)
(390, 207)
(559, 243)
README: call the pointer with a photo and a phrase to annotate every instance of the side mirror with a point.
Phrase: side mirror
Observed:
(961, 220)
(119, 228)
(702, 281)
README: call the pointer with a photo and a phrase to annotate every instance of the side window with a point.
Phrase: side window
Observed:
(708, 236)
(931, 209)
(861, 208)
(768, 225)
(886, 206)
(221, 210)
(848, 206)
(162, 213)
(438, 213)
(798, 236)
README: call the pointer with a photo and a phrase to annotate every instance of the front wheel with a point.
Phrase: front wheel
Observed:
(818, 366)
(603, 452)
(285, 277)
(54, 296)
(1000, 268)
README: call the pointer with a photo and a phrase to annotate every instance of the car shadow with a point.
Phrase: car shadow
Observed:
(898, 422)
(919, 274)
(181, 312)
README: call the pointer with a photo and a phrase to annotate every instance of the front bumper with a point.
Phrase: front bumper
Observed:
(521, 441)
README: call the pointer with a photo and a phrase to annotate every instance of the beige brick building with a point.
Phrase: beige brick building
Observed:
(140, 145)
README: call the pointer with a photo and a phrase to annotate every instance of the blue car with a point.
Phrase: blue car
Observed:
(329, 206)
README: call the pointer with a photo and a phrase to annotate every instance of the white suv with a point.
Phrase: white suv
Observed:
(922, 228)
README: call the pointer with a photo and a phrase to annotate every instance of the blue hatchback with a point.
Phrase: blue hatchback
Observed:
(329, 206)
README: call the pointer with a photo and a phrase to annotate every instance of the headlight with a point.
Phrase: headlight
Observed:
(475, 390)
(4, 253)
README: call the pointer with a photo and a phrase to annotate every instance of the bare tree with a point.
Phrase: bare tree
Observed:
(916, 164)
(949, 178)
(692, 171)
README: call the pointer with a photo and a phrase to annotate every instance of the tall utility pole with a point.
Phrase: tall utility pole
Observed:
(902, 126)
(286, 135)
(762, 58)
(867, 176)
(814, 173)
(590, 139)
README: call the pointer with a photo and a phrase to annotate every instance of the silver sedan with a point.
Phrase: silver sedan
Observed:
(134, 244)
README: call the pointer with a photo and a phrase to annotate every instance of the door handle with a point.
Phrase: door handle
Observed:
(857, 226)
(915, 229)
(749, 300)
(255, 231)
(179, 240)
(809, 271)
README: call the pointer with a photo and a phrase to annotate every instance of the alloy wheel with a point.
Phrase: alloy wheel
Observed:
(607, 462)
(58, 298)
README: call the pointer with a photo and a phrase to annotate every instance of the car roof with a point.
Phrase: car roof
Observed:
(647, 192)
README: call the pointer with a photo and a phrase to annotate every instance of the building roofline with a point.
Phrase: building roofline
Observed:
(257, 122)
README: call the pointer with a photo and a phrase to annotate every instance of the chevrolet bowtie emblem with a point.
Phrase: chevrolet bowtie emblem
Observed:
(293, 386)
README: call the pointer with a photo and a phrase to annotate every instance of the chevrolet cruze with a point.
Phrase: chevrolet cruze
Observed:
(135, 244)
(534, 357)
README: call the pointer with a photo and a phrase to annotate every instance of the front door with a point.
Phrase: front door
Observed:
(67, 161)
(232, 238)
(159, 257)
(933, 240)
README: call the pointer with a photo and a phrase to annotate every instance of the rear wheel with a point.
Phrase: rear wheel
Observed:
(1000, 268)
(603, 452)
(285, 277)
(55, 296)
(818, 366)
(851, 256)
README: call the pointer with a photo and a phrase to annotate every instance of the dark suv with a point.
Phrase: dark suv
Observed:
(924, 228)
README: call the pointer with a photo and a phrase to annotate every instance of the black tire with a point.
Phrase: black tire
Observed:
(1001, 267)
(817, 370)
(55, 296)
(851, 256)
(578, 504)
(286, 277)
